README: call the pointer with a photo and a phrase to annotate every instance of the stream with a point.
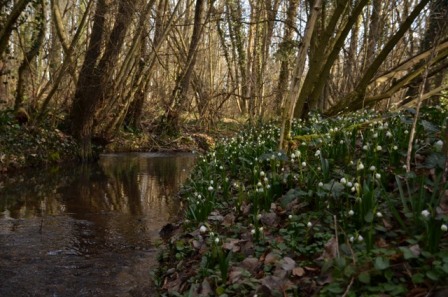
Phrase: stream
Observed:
(88, 230)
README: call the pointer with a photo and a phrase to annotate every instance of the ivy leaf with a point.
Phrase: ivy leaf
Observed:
(381, 263)
(364, 277)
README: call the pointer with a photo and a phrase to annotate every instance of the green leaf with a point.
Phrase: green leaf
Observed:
(407, 253)
(364, 277)
(368, 217)
(429, 127)
(418, 278)
(433, 275)
(381, 263)
(335, 288)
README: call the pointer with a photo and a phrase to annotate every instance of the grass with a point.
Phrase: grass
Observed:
(335, 215)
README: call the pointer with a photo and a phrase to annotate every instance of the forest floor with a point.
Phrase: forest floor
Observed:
(336, 215)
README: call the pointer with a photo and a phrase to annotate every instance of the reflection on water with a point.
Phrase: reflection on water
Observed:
(87, 230)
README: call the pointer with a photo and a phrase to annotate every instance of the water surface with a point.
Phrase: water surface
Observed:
(88, 230)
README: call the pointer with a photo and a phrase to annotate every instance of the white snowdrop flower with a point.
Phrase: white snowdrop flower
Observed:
(298, 154)
(444, 228)
(259, 184)
(304, 164)
(269, 186)
(317, 153)
(283, 169)
(210, 188)
(352, 239)
(425, 213)
(375, 135)
(343, 181)
(211, 233)
(262, 173)
(341, 142)
(395, 147)
(318, 168)
(256, 159)
(388, 134)
(219, 187)
(404, 166)
(379, 148)
(260, 229)
(331, 130)
(226, 179)
(217, 240)
(360, 238)
(351, 162)
(336, 129)
(353, 189)
(372, 168)
(386, 125)
(293, 156)
(304, 143)
(365, 147)
(265, 179)
(349, 184)
(279, 154)
(252, 231)
(211, 182)
(351, 212)
(259, 216)
(378, 176)
(379, 214)
(199, 196)
(203, 229)
(309, 224)
(272, 157)
(360, 166)
(438, 145)
(321, 184)
(406, 132)
(221, 168)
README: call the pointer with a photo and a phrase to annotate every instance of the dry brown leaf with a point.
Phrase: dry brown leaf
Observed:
(232, 245)
(269, 219)
(250, 264)
(298, 271)
(229, 220)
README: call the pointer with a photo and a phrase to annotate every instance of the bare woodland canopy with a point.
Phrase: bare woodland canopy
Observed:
(104, 64)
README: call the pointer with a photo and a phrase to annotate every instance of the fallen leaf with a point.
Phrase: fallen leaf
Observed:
(229, 220)
(232, 245)
(206, 289)
(298, 271)
(250, 264)
(271, 258)
(287, 264)
(269, 219)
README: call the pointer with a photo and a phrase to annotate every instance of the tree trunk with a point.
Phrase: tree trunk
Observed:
(95, 75)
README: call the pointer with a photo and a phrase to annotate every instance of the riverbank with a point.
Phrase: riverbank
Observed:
(25, 146)
(337, 215)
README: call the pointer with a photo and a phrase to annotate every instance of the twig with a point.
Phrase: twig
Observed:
(348, 287)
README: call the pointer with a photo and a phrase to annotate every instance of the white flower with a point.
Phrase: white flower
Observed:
(360, 166)
(217, 240)
(388, 134)
(298, 154)
(317, 153)
(351, 212)
(252, 231)
(304, 164)
(353, 189)
(293, 156)
(365, 147)
(360, 238)
(379, 148)
(379, 214)
(210, 188)
(372, 168)
(203, 229)
(262, 173)
(395, 147)
(438, 146)
(425, 213)
(378, 176)
(259, 184)
(375, 135)
(290, 217)
(343, 181)
(309, 224)
(211, 182)
(321, 184)
(444, 228)
(352, 239)
(349, 184)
